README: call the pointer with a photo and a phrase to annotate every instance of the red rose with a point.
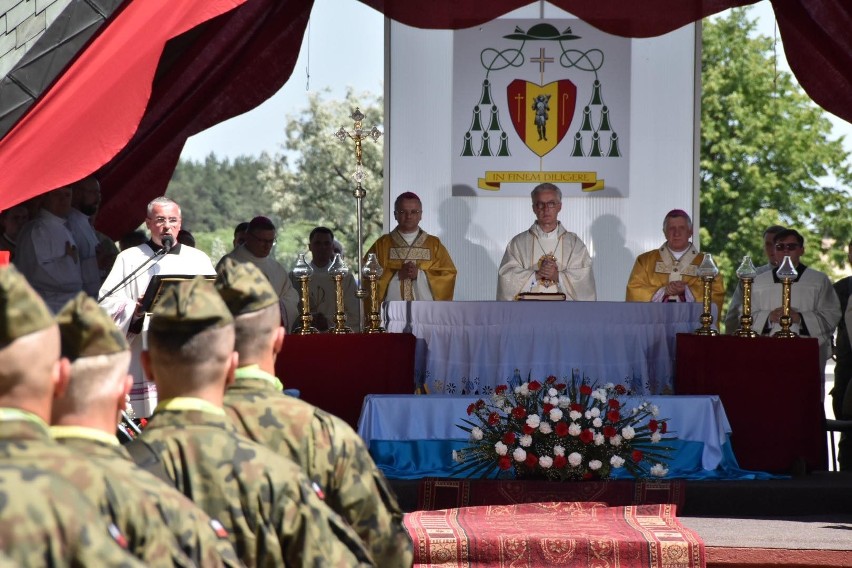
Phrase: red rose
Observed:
(531, 460)
(614, 403)
(609, 432)
(637, 456)
(528, 430)
(587, 436)
(652, 425)
(559, 462)
(509, 438)
(143, 422)
(613, 416)
(504, 463)
(576, 406)
(560, 386)
(519, 412)
(585, 389)
(664, 426)
(480, 403)
(493, 419)
(587, 475)
(561, 429)
(501, 389)
(620, 389)
(550, 380)
(534, 386)
(470, 409)
(547, 407)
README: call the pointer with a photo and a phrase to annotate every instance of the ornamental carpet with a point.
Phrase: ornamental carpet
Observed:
(543, 535)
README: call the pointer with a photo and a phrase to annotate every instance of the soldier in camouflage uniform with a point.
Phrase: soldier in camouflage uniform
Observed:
(330, 452)
(84, 420)
(265, 501)
(44, 520)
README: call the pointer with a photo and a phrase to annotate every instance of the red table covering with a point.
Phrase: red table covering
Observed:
(771, 391)
(336, 372)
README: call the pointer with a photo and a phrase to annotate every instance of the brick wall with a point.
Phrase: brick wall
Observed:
(21, 24)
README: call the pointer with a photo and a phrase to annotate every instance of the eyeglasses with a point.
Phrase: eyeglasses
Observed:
(547, 205)
(270, 242)
(787, 246)
(160, 221)
(412, 213)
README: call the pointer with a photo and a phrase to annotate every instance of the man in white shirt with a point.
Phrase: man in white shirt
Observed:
(546, 259)
(256, 249)
(47, 253)
(134, 268)
(85, 199)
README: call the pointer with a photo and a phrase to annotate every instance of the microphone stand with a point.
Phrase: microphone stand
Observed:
(159, 255)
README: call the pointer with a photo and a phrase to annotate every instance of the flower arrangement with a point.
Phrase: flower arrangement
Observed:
(562, 431)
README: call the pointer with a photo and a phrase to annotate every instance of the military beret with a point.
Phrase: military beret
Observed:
(190, 306)
(87, 330)
(22, 311)
(243, 287)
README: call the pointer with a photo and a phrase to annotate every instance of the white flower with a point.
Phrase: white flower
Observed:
(574, 415)
(545, 399)
(552, 392)
(498, 399)
(476, 433)
(595, 464)
(597, 422)
(628, 432)
(555, 414)
(524, 389)
(574, 429)
(533, 420)
(588, 415)
(558, 451)
(525, 441)
(656, 437)
(609, 386)
(519, 454)
(458, 457)
(601, 395)
(575, 459)
(654, 410)
(595, 411)
(545, 428)
(615, 440)
(501, 448)
(659, 470)
(545, 462)
(616, 461)
(564, 401)
(599, 439)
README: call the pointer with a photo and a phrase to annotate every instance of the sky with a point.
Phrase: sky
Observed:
(344, 47)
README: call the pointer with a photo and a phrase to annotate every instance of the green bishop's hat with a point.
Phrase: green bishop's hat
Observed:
(243, 287)
(190, 306)
(87, 330)
(22, 311)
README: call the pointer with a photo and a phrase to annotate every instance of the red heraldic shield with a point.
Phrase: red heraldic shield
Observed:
(541, 114)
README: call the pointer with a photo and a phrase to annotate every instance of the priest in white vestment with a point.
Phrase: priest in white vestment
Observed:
(121, 293)
(257, 249)
(546, 259)
(815, 308)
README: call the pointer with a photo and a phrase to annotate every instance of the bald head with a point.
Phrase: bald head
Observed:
(30, 371)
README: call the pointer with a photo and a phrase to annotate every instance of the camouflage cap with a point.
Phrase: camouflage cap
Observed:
(22, 311)
(87, 330)
(190, 306)
(243, 287)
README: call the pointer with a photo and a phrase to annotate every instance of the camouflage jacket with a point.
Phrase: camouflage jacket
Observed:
(201, 538)
(331, 453)
(28, 443)
(266, 503)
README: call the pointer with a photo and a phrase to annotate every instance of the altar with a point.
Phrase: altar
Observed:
(471, 347)
(413, 436)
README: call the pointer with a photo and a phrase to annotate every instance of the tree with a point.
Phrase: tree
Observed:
(317, 188)
(765, 154)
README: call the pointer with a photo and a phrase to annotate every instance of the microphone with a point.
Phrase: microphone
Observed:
(168, 242)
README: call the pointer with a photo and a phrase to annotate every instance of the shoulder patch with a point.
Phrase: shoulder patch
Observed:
(218, 528)
(117, 535)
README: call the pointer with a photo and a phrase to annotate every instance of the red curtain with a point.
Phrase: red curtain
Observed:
(162, 71)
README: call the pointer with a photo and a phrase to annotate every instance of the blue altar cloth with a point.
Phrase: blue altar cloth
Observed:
(413, 436)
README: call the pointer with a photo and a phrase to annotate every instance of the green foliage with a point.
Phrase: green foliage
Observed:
(317, 188)
(765, 154)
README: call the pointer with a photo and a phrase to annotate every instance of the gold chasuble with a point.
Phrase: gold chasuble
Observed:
(656, 268)
(430, 256)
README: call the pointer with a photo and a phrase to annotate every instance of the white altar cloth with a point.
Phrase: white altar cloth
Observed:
(471, 347)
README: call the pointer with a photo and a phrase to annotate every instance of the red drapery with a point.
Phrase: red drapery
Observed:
(162, 71)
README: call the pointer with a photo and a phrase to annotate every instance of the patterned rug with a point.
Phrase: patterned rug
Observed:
(581, 534)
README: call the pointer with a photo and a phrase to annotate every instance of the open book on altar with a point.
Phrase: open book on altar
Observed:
(557, 296)
(160, 283)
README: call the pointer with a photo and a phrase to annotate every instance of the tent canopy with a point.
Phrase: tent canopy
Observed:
(161, 71)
